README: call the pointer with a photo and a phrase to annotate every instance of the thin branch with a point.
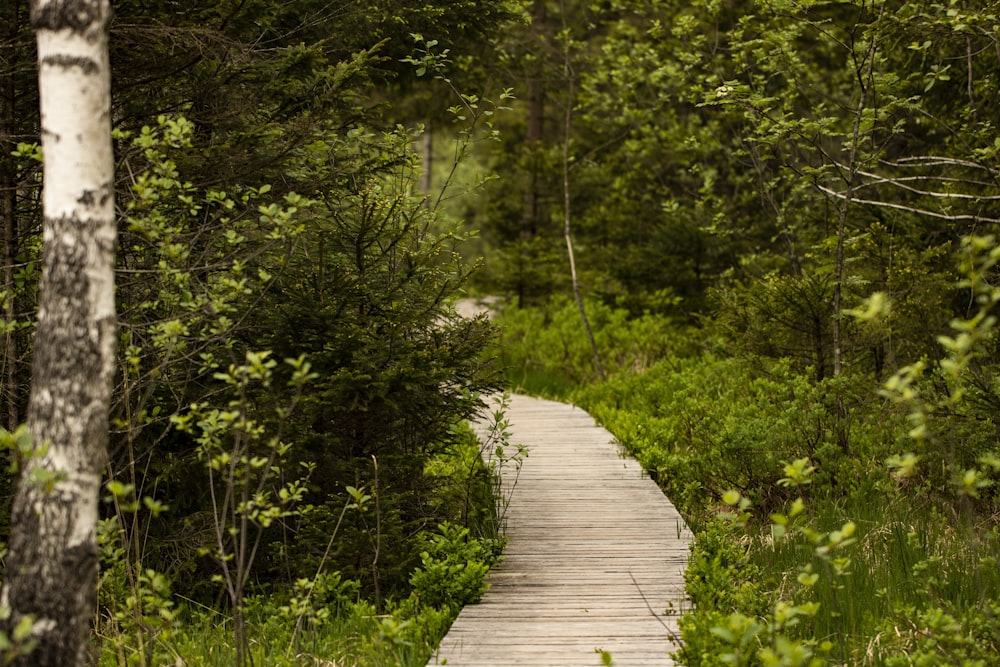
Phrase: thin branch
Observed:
(940, 179)
(908, 209)
(898, 182)
(936, 161)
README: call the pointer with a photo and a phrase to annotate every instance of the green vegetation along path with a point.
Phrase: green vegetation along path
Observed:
(594, 560)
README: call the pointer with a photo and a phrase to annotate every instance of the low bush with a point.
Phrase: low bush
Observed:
(319, 614)
(703, 425)
(453, 568)
(545, 351)
(816, 543)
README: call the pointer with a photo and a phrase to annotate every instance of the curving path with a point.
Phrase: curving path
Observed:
(594, 559)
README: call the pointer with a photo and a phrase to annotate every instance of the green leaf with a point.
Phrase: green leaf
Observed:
(731, 497)
(23, 628)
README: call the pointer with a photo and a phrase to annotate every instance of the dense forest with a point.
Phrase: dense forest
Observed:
(754, 238)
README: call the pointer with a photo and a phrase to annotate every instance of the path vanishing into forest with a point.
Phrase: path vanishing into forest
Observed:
(594, 559)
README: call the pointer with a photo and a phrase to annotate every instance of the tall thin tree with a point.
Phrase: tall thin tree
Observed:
(567, 200)
(51, 572)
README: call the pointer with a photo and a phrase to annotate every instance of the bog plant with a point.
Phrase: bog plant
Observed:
(545, 350)
(808, 553)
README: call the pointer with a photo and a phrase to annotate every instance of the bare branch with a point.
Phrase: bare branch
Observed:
(898, 182)
(908, 209)
(936, 161)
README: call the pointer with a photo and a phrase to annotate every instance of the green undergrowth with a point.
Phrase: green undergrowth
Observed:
(545, 351)
(816, 543)
(325, 619)
(704, 425)
(323, 622)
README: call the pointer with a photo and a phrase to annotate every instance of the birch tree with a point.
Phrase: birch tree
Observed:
(51, 573)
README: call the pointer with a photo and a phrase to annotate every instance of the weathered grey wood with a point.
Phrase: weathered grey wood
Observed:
(594, 561)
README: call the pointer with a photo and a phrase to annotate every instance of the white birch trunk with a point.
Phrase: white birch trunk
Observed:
(52, 567)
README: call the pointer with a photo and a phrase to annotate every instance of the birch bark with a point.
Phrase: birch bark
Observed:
(51, 571)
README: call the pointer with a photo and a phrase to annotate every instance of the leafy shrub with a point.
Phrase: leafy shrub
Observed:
(935, 636)
(546, 350)
(453, 567)
(702, 426)
(835, 557)
(721, 580)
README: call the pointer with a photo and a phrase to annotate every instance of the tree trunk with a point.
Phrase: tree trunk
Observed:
(52, 566)
(840, 261)
(567, 217)
(532, 141)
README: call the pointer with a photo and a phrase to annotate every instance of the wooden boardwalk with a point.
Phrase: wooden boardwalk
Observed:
(594, 559)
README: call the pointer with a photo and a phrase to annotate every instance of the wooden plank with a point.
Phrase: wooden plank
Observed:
(595, 556)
